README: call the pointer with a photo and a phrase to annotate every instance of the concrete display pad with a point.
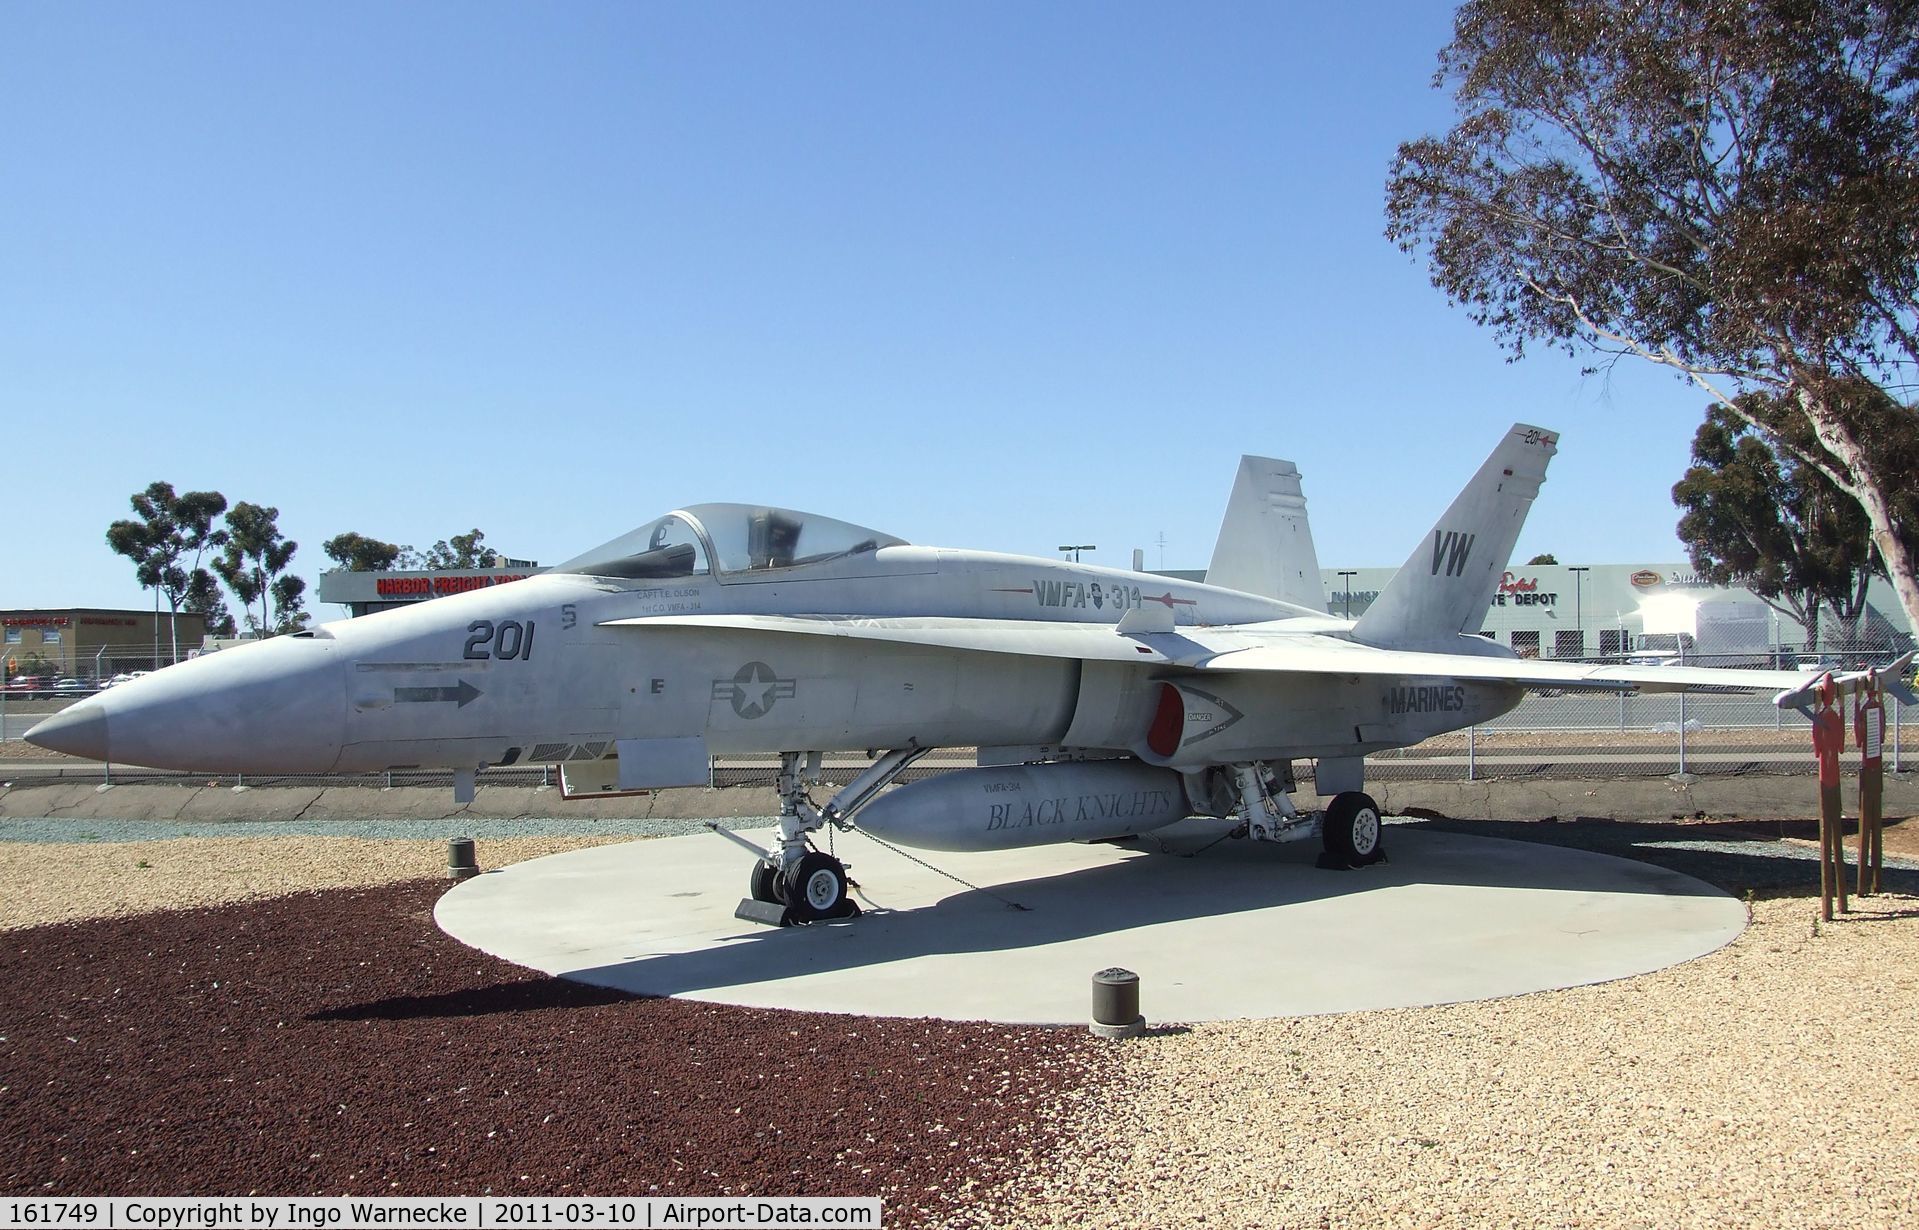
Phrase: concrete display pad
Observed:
(1233, 930)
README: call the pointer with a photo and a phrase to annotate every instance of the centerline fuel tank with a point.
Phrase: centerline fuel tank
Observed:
(1028, 805)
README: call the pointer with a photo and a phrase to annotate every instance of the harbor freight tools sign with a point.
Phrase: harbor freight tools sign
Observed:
(281, 1212)
(436, 587)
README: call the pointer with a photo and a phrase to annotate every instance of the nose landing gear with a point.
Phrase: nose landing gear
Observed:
(796, 883)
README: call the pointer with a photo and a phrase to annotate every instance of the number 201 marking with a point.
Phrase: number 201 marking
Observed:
(508, 640)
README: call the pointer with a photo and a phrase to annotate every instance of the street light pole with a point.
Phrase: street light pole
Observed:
(1347, 607)
(1579, 572)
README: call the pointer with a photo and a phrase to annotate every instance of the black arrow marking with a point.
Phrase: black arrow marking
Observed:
(461, 694)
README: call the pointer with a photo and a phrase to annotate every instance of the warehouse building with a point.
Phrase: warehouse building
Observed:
(95, 643)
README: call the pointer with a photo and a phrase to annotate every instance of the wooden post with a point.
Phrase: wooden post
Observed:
(1828, 740)
(1869, 725)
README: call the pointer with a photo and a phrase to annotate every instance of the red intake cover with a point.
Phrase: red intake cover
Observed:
(1169, 722)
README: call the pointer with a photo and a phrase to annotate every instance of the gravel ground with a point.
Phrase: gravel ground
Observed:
(1769, 1084)
(20, 749)
(336, 1041)
(44, 882)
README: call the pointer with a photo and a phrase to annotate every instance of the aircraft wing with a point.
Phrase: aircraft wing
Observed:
(1793, 689)
(1227, 649)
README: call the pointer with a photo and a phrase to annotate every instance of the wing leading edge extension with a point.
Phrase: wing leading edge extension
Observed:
(1029, 638)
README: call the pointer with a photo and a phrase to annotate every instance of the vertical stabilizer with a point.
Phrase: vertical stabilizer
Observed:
(1265, 546)
(1447, 585)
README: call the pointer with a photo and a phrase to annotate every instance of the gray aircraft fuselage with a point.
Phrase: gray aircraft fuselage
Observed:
(531, 672)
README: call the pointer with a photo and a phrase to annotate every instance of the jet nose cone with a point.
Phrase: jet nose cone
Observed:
(78, 730)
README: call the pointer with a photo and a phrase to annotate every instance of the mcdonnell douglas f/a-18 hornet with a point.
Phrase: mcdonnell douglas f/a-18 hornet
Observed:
(1103, 703)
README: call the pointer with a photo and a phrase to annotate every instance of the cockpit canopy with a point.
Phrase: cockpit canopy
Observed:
(727, 539)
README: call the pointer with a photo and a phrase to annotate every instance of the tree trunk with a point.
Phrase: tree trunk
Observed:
(1838, 437)
(1853, 617)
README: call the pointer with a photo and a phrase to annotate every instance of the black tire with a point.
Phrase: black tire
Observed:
(816, 888)
(765, 884)
(1353, 833)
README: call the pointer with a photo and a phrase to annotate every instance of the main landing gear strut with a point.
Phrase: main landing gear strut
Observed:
(799, 883)
(1349, 828)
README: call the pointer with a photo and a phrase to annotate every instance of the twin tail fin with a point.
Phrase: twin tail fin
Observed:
(1447, 585)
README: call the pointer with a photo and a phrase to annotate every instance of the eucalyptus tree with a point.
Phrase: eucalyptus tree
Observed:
(1724, 188)
(167, 539)
(1758, 517)
(252, 561)
(461, 551)
(358, 553)
(203, 598)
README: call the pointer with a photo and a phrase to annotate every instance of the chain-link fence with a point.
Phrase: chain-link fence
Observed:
(1633, 736)
(42, 673)
(1605, 734)
(37, 684)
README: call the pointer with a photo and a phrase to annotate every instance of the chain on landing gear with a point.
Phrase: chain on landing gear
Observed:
(797, 880)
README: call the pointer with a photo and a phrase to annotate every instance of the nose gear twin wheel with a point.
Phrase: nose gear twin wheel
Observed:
(815, 888)
(765, 884)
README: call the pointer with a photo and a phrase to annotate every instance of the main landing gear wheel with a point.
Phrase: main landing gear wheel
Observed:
(1353, 829)
(815, 888)
(765, 884)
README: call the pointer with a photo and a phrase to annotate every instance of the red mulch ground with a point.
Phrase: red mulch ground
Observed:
(338, 1042)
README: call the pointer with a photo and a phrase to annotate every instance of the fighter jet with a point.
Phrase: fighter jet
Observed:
(1103, 703)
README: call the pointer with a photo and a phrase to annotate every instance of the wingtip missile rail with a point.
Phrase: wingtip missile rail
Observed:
(1894, 678)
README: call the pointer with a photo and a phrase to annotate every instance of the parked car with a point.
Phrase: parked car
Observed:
(71, 687)
(27, 687)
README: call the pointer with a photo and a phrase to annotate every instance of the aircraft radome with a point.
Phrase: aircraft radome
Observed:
(1103, 702)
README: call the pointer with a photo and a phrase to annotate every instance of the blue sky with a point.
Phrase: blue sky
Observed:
(986, 275)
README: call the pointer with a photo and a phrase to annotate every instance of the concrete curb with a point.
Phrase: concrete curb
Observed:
(1646, 799)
